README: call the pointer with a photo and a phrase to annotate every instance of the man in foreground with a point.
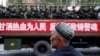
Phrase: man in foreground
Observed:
(60, 40)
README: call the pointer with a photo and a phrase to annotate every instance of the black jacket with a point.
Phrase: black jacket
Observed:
(66, 51)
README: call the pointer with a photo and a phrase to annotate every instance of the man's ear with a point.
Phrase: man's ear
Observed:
(58, 38)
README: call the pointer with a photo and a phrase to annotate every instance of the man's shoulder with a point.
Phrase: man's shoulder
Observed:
(67, 54)
(74, 52)
(77, 53)
(67, 51)
(56, 54)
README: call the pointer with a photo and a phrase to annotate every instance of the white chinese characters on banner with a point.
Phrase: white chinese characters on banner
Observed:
(22, 26)
(2, 26)
(73, 26)
(9, 26)
(36, 26)
(52, 26)
(94, 27)
(43, 26)
(15, 26)
(79, 26)
(84, 26)
(29, 26)
(87, 27)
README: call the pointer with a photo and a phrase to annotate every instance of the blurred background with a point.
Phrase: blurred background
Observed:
(51, 9)
(19, 17)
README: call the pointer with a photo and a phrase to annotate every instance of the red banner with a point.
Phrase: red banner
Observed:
(46, 26)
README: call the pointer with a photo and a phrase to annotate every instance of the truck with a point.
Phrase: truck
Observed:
(34, 33)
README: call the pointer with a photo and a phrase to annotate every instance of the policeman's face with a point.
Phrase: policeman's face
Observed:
(53, 39)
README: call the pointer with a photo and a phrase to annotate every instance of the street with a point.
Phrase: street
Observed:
(22, 52)
(27, 52)
(30, 52)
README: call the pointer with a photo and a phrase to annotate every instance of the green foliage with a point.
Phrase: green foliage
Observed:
(57, 2)
(18, 1)
(10, 1)
(90, 1)
(15, 1)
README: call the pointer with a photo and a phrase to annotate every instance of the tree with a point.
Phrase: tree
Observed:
(15, 1)
(18, 1)
(10, 1)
